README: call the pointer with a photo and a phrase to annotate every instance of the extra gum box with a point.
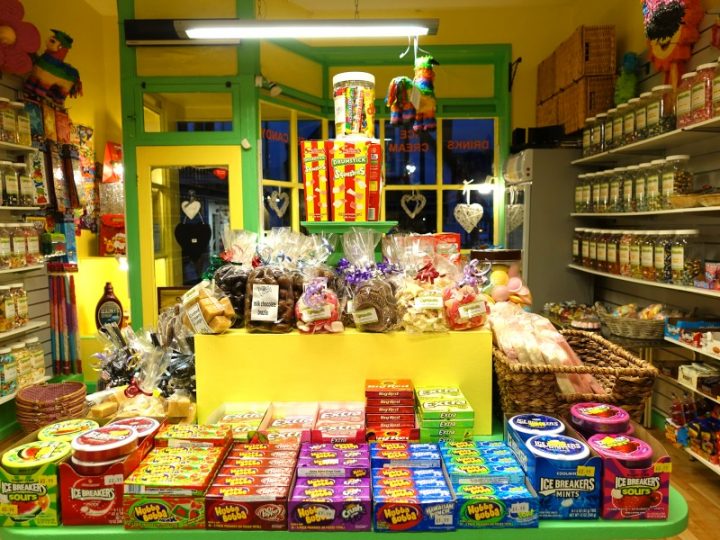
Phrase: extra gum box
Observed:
(389, 388)
(341, 468)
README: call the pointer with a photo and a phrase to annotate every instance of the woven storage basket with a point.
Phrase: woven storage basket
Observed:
(42, 404)
(627, 380)
(710, 199)
(547, 112)
(546, 79)
(687, 201)
(586, 98)
(629, 327)
(589, 51)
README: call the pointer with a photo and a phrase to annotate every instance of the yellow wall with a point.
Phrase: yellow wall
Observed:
(95, 55)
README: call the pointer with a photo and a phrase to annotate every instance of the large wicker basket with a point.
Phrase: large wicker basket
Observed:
(629, 327)
(43, 404)
(626, 379)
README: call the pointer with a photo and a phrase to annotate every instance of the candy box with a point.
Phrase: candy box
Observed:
(375, 402)
(252, 480)
(333, 482)
(341, 412)
(391, 420)
(440, 403)
(313, 162)
(242, 453)
(191, 435)
(235, 462)
(327, 509)
(400, 434)
(406, 472)
(262, 508)
(683, 329)
(637, 493)
(441, 491)
(330, 454)
(388, 391)
(98, 499)
(404, 446)
(260, 470)
(411, 458)
(355, 179)
(338, 433)
(390, 409)
(485, 473)
(332, 447)
(497, 506)
(163, 512)
(333, 467)
(288, 421)
(452, 434)
(567, 489)
(449, 423)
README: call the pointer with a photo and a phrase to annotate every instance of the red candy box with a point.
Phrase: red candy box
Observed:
(104, 444)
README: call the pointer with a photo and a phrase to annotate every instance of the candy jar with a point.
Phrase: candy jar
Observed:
(684, 99)
(579, 192)
(26, 186)
(7, 309)
(32, 242)
(663, 256)
(624, 253)
(8, 124)
(7, 176)
(594, 179)
(587, 137)
(684, 257)
(36, 352)
(641, 116)
(585, 247)
(604, 188)
(619, 125)
(653, 192)
(608, 130)
(600, 124)
(577, 245)
(24, 130)
(20, 297)
(18, 246)
(628, 198)
(635, 247)
(716, 91)
(5, 247)
(613, 252)
(615, 200)
(702, 89)
(629, 132)
(640, 187)
(601, 251)
(8, 371)
(647, 259)
(465, 306)
(676, 178)
(587, 201)
(592, 248)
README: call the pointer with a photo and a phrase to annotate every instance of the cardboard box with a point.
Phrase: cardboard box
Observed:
(287, 421)
(637, 493)
(329, 508)
(504, 506)
(564, 492)
(686, 329)
(263, 508)
(314, 168)
(30, 500)
(378, 433)
(244, 418)
(428, 434)
(163, 512)
(693, 375)
(356, 180)
(389, 391)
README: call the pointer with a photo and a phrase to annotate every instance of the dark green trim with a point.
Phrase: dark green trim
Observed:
(9, 425)
(657, 419)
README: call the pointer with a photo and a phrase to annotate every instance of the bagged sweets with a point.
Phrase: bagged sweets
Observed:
(231, 278)
(465, 306)
(317, 310)
(207, 310)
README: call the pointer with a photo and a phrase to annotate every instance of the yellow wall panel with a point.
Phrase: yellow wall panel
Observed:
(184, 9)
(285, 67)
(186, 61)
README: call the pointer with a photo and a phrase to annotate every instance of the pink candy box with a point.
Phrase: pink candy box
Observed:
(599, 418)
(631, 452)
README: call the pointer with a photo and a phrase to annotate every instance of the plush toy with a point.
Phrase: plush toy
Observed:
(414, 100)
(626, 83)
(51, 77)
(19, 40)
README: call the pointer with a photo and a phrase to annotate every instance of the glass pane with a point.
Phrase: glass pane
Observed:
(468, 150)
(277, 207)
(189, 217)
(275, 133)
(422, 204)
(410, 157)
(482, 233)
(188, 111)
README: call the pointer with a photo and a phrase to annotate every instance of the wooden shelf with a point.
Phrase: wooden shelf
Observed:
(657, 146)
(16, 147)
(10, 397)
(23, 269)
(693, 349)
(21, 208)
(683, 288)
(648, 213)
(714, 468)
(29, 327)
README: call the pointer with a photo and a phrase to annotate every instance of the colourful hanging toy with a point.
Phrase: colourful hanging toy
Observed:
(51, 77)
(414, 100)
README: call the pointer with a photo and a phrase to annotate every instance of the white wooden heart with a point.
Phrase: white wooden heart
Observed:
(419, 201)
(468, 215)
(191, 208)
(279, 202)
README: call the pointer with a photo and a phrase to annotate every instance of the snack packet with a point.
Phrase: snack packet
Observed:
(207, 310)
(231, 278)
(465, 306)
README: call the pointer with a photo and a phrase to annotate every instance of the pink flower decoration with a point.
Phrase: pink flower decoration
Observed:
(18, 39)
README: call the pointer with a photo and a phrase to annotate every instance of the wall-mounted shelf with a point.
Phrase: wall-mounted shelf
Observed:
(710, 465)
(12, 147)
(29, 327)
(688, 387)
(693, 349)
(657, 146)
(21, 208)
(683, 288)
(648, 213)
(10, 397)
(22, 269)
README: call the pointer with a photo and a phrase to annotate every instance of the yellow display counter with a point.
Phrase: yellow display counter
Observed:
(238, 366)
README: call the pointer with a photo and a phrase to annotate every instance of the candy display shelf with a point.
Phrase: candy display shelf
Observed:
(341, 227)
(648, 213)
(693, 349)
(20, 208)
(548, 530)
(22, 269)
(10, 397)
(690, 388)
(709, 464)
(689, 137)
(12, 147)
(29, 327)
(683, 288)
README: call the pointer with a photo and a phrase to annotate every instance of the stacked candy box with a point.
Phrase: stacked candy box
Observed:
(251, 488)
(243, 418)
(561, 467)
(287, 422)
(332, 492)
(390, 410)
(411, 491)
(342, 421)
(195, 436)
(444, 414)
(490, 486)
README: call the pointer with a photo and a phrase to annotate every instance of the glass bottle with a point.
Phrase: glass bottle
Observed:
(609, 129)
(676, 178)
(585, 248)
(595, 136)
(577, 246)
(579, 193)
(587, 201)
(595, 188)
(8, 125)
(601, 253)
(604, 187)
(108, 309)
(600, 123)
(612, 265)
(18, 107)
(653, 191)
(23, 124)
(686, 265)
(716, 91)
(701, 98)
(592, 245)
(668, 113)
(619, 124)
(635, 254)
(587, 137)
(629, 133)
(647, 256)
(18, 246)
(641, 116)
(640, 187)
(663, 256)
(629, 203)
(616, 190)
(624, 253)
(7, 309)
(684, 99)
(20, 297)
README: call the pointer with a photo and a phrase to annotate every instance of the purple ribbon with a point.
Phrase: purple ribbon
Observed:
(314, 293)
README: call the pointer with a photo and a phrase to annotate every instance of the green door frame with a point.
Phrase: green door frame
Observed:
(246, 119)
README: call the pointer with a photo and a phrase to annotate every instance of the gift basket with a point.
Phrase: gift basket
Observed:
(629, 322)
(42, 404)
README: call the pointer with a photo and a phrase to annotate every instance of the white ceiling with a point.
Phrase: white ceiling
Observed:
(319, 6)
(106, 8)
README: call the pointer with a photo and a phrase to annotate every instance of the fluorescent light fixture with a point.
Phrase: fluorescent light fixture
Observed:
(231, 31)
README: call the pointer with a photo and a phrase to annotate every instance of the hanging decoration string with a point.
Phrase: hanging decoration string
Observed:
(467, 189)
(357, 9)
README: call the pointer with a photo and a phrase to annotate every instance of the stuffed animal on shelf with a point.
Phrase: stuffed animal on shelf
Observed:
(414, 100)
(626, 83)
(51, 77)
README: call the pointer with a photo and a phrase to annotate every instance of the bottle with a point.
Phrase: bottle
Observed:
(109, 309)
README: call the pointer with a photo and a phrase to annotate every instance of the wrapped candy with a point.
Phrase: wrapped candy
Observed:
(231, 278)
(207, 310)
(317, 310)
(465, 306)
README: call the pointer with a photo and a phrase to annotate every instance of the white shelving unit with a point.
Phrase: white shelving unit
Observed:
(29, 327)
(23, 269)
(690, 388)
(693, 349)
(10, 397)
(20, 208)
(12, 147)
(714, 468)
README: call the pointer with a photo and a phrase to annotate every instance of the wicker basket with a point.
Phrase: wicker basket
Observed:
(711, 199)
(587, 97)
(546, 79)
(627, 380)
(589, 51)
(686, 201)
(43, 404)
(631, 328)
(546, 113)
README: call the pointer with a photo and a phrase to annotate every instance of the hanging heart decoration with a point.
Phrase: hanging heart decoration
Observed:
(418, 200)
(279, 202)
(468, 215)
(191, 208)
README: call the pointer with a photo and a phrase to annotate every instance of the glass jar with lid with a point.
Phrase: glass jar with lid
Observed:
(10, 184)
(594, 179)
(653, 188)
(604, 188)
(615, 200)
(612, 266)
(592, 248)
(676, 178)
(20, 297)
(629, 203)
(17, 246)
(661, 110)
(641, 116)
(6, 169)
(701, 97)
(587, 148)
(587, 200)
(635, 253)
(601, 253)
(608, 130)
(32, 238)
(5, 247)
(24, 363)
(577, 245)
(36, 352)
(686, 262)
(647, 256)
(7, 309)
(640, 187)
(600, 122)
(26, 187)
(684, 99)
(8, 372)
(579, 192)
(8, 125)
(24, 131)
(585, 247)
(618, 125)
(629, 133)
(663, 256)
(624, 253)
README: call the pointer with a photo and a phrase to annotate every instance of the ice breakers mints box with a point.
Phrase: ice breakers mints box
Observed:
(496, 506)
(564, 472)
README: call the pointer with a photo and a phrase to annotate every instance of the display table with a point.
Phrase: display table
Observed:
(238, 366)
(549, 530)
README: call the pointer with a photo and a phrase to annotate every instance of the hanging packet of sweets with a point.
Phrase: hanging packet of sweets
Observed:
(317, 309)
(355, 179)
(466, 307)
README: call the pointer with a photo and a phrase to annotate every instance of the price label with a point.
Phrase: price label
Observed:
(663, 468)
(429, 302)
(585, 470)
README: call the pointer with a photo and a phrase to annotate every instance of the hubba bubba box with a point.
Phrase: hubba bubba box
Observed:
(561, 467)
